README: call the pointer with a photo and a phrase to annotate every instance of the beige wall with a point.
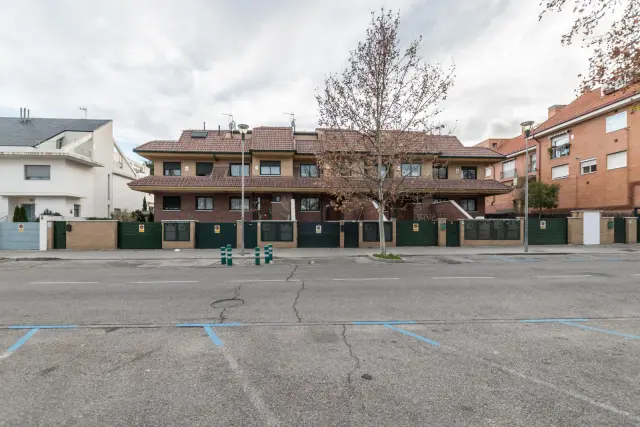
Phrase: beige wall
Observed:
(181, 245)
(606, 234)
(92, 235)
(442, 234)
(455, 169)
(286, 163)
(576, 230)
(632, 230)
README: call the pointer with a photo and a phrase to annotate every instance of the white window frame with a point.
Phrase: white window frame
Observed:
(487, 171)
(239, 208)
(560, 166)
(512, 163)
(617, 167)
(616, 122)
(411, 170)
(34, 177)
(589, 163)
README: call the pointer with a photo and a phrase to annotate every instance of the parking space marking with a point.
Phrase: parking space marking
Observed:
(43, 327)
(203, 325)
(552, 320)
(216, 341)
(263, 280)
(568, 276)
(461, 277)
(385, 322)
(64, 283)
(411, 334)
(18, 343)
(165, 281)
(606, 331)
(359, 279)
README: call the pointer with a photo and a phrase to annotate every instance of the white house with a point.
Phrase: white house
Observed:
(63, 165)
(123, 170)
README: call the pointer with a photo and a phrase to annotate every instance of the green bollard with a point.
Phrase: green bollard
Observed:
(223, 255)
(229, 256)
(266, 254)
(257, 255)
(270, 252)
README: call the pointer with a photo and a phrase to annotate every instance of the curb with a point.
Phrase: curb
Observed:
(388, 261)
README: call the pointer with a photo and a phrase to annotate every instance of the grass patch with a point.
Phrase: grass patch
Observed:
(387, 256)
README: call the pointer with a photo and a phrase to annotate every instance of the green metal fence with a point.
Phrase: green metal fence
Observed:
(416, 233)
(276, 231)
(548, 231)
(318, 234)
(139, 235)
(371, 231)
(213, 235)
(453, 233)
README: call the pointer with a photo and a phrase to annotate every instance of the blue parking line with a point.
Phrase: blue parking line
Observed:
(386, 322)
(217, 341)
(411, 334)
(22, 340)
(204, 325)
(43, 327)
(606, 331)
(552, 320)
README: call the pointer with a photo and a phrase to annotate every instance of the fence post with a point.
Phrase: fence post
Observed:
(266, 255)
(257, 255)
(223, 255)
(229, 256)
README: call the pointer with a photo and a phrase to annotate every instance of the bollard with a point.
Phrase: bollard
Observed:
(223, 255)
(257, 255)
(270, 252)
(266, 254)
(229, 256)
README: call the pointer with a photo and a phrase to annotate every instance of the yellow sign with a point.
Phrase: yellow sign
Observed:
(416, 226)
(21, 227)
(318, 229)
(543, 225)
(141, 228)
(216, 229)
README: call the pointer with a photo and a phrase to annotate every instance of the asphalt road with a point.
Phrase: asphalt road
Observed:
(442, 341)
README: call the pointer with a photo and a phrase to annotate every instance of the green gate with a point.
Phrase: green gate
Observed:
(619, 230)
(351, 234)
(416, 233)
(548, 231)
(453, 233)
(214, 235)
(318, 234)
(250, 234)
(59, 235)
(139, 235)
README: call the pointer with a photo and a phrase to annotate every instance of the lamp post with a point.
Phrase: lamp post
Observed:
(243, 131)
(526, 129)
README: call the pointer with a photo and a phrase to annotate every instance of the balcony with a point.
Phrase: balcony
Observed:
(559, 151)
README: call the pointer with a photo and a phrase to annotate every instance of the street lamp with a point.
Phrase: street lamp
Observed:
(526, 129)
(243, 131)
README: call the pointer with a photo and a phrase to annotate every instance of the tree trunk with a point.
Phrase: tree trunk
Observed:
(383, 242)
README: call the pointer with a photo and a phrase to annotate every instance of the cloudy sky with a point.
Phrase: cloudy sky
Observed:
(158, 66)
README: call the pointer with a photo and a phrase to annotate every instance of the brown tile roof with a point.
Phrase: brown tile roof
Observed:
(272, 139)
(586, 103)
(506, 146)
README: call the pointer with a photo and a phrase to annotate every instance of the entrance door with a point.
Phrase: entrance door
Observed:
(59, 235)
(591, 228)
(265, 208)
(250, 235)
(453, 233)
(351, 235)
(619, 230)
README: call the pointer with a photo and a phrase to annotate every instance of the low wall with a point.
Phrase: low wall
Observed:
(279, 244)
(607, 236)
(632, 230)
(191, 244)
(575, 230)
(376, 244)
(92, 235)
(442, 232)
(465, 242)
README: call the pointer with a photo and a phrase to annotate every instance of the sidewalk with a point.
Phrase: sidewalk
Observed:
(306, 253)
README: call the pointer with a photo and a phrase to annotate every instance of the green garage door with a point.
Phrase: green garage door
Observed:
(139, 235)
(214, 235)
(318, 234)
(548, 231)
(416, 233)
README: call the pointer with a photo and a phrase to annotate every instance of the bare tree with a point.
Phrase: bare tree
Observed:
(615, 61)
(377, 114)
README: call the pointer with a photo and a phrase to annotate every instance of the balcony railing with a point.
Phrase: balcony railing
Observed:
(559, 151)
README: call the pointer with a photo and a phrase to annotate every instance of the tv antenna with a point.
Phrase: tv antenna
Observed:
(232, 123)
(84, 111)
(292, 116)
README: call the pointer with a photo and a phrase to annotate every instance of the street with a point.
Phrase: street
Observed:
(500, 340)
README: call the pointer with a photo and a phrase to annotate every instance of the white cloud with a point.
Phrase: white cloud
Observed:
(156, 67)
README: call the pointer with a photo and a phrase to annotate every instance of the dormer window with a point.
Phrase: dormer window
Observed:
(199, 134)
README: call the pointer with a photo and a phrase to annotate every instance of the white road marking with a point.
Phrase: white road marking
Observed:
(252, 394)
(365, 279)
(461, 277)
(564, 277)
(5, 355)
(166, 281)
(63, 283)
(262, 280)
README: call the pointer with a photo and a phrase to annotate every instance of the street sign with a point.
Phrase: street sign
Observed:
(216, 229)
(141, 228)
(318, 229)
(21, 227)
(416, 226)
(543, 225)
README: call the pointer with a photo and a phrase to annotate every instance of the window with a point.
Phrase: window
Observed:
(617, 160)
(234, 203)
(492, 229)
(270, 167)
(559, 172)
(509, 169)
(468, 205)
(617, 122)
(59, 143)
(533, 162)
(487, 171)
(172, 168)
(412, 170)
(441, 172)
(588, 166)
(236, 168)
(309, 171)
(439, 200)
(37, 172)
(560, 146)
(76, 211)
(469, 172)
(309, 204)
(276, 231)
(199, 134)
(171, 203)
(204, 203)
(371, 232)
(108, 186)
(176, 231)
(204, 168)
(277, 199)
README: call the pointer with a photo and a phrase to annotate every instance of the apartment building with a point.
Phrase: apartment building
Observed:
(590, 147)
(63, 165)
(199, 177)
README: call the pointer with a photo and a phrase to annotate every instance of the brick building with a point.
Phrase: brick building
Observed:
(199, 177)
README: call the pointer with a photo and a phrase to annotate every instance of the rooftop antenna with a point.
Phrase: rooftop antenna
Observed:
(232, 124)
(84, 111)
(292, 116)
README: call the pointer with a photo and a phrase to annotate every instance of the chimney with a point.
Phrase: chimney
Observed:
(28, 114)
(20, 113)
(553, 110)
